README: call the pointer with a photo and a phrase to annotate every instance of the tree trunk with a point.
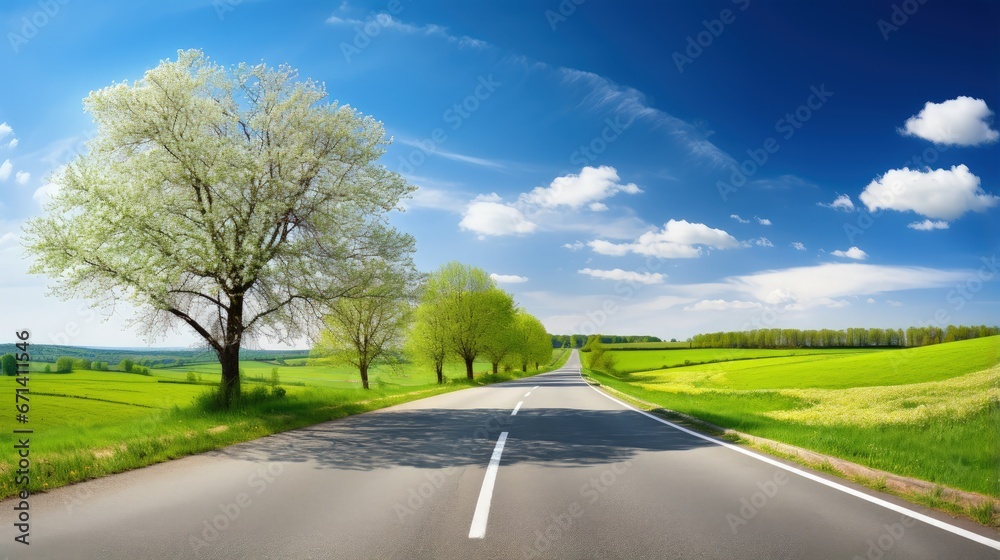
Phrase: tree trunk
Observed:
(229, 356)
(364, 376)
(439, 367)
(524, 368)
(495, 366)
(229, 389)
(468, 367)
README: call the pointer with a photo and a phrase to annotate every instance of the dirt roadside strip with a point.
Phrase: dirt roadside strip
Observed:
(873, 478)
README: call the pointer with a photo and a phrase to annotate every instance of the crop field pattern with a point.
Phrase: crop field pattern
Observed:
(930, 412)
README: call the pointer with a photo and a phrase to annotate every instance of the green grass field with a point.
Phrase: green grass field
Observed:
(647, 345)
(632, 360)
(89, 423)
(931, 413)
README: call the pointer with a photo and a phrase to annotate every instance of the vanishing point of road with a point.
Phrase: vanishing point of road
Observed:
(542, 467)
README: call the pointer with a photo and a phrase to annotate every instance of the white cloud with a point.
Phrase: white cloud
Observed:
(598, 206)
(22, 177)
(5, 131)
(758, 241)
(894, 303)
(940, 193)
(962, 121)
(842, 202)
(798, 246)
(870, 300)
(591, 185)
(508, 278)
(608, 248)
(5, 168)
(625, 275)
(928, 225)
(575, 246)
(739, 219)
(45, 193)
(487, 215)
(7, 237)
(852, 253)
(677, 240)
(722, 305)
(762, 221)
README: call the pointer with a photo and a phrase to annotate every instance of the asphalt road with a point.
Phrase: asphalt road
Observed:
(579, 475)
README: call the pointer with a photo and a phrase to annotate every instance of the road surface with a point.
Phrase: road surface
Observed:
(571, 474)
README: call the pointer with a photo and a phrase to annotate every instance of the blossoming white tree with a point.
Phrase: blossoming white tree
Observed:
(234, 201)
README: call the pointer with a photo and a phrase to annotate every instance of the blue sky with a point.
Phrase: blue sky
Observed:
(657, 168)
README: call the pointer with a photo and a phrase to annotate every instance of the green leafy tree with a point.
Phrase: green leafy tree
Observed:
(64, 364)
(8, 363)
(500, 342)
(469, 306)
(427, 340)
(234, 201)
(48, 368)
(531, 342)
(126, 365)
(363, 330)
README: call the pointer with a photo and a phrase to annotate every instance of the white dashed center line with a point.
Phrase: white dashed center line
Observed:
(482, 515)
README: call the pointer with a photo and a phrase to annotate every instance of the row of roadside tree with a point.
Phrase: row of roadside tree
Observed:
(833, 338)
(456, 314)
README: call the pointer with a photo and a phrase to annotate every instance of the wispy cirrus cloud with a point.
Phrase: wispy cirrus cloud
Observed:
(386, 21)
(599, 93)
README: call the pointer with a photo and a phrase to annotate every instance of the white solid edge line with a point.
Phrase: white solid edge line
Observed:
(516, 408)
(836, 486)
(482, 514)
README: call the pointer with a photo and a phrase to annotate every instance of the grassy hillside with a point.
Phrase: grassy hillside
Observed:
(931, 412)
(820, 368)
(632, 360)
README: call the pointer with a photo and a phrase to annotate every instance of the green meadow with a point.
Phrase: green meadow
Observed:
(931, 412)
(88, 423)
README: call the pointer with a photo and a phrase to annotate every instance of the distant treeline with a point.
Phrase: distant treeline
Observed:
(844, 338)
(578, 340)
(152, 357)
